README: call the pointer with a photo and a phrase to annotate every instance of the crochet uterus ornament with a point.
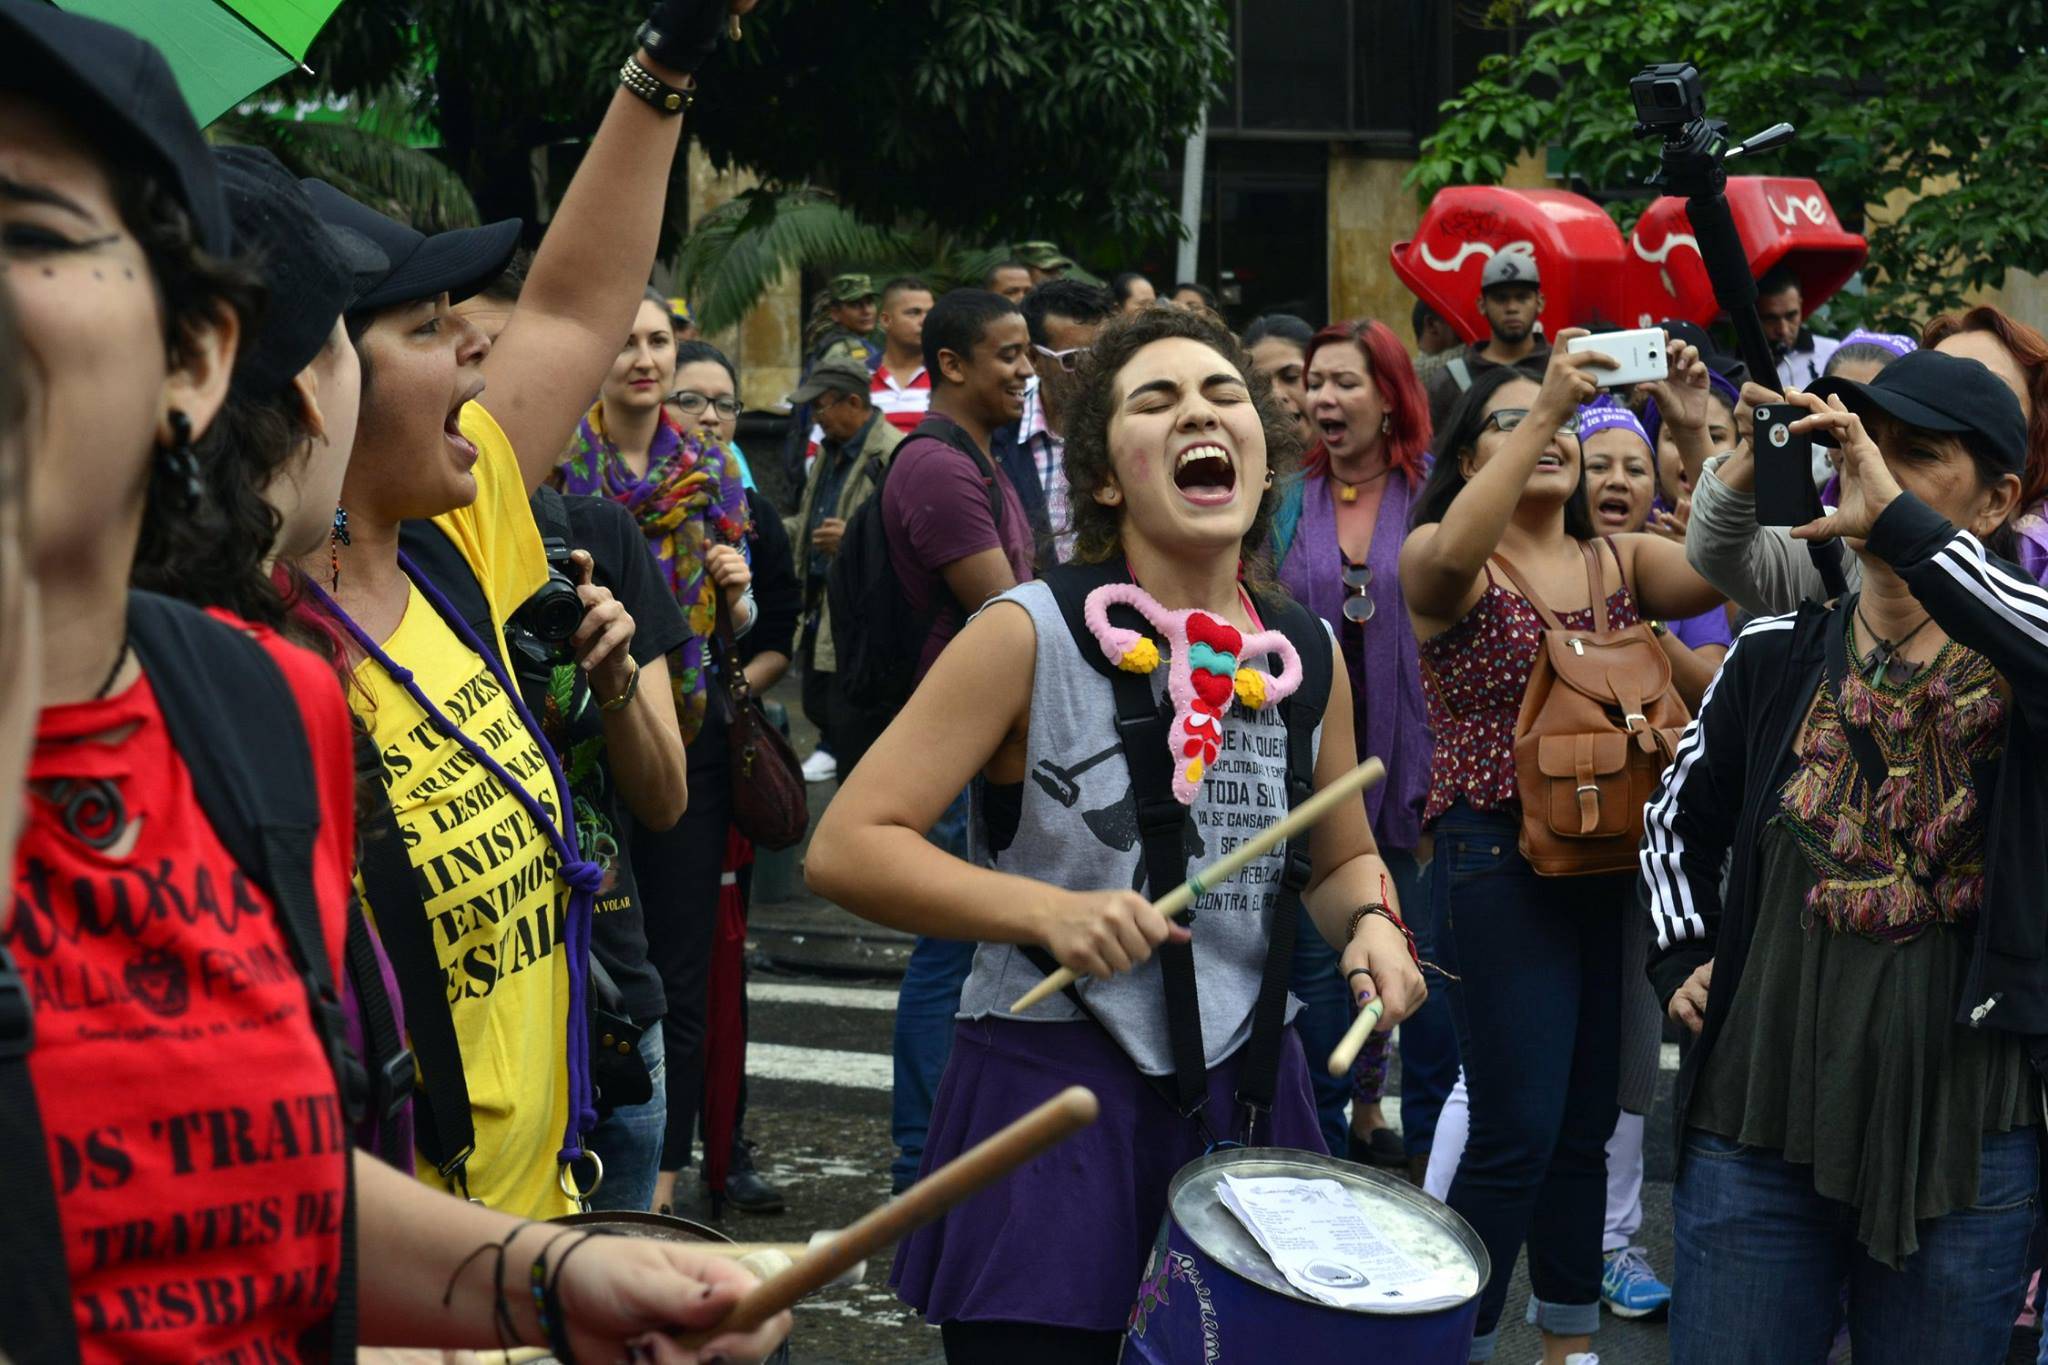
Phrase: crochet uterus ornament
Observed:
(1205, 671)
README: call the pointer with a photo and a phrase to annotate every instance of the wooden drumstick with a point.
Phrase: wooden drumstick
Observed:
(1053, 1122)
(1223, 869)
(1354, 1037)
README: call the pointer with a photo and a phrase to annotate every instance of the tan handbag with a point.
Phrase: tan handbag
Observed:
(1600, 721)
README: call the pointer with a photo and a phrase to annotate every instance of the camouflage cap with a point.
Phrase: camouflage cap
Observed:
(1042, 256)
(851, 288)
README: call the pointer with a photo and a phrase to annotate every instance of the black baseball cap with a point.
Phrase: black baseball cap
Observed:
(457, 263)
(311, 269)
(120, 90)
(1711, 355)
(1937, 392)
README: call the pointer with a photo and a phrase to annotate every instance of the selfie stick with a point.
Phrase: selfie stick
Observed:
(1669, 103)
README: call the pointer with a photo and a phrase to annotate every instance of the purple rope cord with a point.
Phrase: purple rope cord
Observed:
(585, 879)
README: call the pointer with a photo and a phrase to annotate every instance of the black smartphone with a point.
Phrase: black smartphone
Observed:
(1785, 495)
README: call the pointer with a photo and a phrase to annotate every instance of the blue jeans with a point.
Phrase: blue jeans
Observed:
(1538, 1012)
(1429, 1045)
(1762, 1258)
(925, 1006)
(628, 1140)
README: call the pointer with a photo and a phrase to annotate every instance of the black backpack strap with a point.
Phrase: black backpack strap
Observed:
(1303, 712)
(940, 427)
(37, 1322)
(388, 1059)
(443, 1128)
(428, 546)
(254, 779)
(1142, 723)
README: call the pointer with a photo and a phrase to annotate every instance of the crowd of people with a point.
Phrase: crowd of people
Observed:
(388, 607)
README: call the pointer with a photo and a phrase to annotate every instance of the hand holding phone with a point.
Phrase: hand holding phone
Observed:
(1785, 495)
(1638, 355)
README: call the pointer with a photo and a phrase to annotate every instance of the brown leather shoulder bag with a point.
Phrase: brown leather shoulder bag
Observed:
(1599, 723)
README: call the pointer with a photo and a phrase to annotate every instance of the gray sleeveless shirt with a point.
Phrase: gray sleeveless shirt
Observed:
(1078, 828)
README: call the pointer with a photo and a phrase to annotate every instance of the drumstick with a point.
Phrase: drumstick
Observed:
(1354, 1037)
(1053, 1122)
(1223, 869)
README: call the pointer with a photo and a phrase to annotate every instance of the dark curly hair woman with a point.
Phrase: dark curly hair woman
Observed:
(1168, 443)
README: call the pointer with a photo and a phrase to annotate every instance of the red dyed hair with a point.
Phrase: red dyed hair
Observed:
(1386, 360)
(2029, 350)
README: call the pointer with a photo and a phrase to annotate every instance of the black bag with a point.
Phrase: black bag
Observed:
(875, 634)
(235, 722)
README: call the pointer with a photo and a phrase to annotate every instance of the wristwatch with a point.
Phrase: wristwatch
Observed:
(644, 84)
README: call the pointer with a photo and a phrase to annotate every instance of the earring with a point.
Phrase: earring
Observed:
(336, 538)
(179, 461)
(1386, 423)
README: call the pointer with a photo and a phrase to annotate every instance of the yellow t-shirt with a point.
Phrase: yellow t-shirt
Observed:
(490, 882)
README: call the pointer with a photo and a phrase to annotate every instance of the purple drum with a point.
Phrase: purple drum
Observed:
(1212, 1295)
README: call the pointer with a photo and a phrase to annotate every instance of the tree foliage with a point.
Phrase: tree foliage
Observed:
(1943, 103)
(1003, 119)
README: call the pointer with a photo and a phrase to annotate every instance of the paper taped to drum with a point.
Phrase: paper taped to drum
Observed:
(1323, 1241)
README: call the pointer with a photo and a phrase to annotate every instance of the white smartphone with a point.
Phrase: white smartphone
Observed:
(1638, 353)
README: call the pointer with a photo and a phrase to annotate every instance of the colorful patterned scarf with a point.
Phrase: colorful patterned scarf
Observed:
(1889, 864)
(691, 500)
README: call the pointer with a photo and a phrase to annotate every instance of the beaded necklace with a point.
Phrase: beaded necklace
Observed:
(585, 879)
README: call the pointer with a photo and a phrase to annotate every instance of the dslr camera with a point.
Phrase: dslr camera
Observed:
(539, 632)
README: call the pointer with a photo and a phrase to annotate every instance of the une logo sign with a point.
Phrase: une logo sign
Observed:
(1813, 208)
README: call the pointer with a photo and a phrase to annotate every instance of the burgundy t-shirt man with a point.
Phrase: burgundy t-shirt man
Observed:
(935, 508)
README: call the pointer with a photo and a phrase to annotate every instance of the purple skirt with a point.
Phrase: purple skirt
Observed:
(1062, 1241)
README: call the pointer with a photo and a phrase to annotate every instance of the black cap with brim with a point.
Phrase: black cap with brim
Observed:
(1715, 359)
(310, 268)
(1931, 391)
(120, 90)
(457, 263)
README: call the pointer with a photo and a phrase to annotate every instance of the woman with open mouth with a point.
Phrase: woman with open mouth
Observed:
(1539, 958)
(1337, 542)
(1168, 443)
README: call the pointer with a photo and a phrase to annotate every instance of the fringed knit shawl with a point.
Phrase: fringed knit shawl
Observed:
(1891, 863)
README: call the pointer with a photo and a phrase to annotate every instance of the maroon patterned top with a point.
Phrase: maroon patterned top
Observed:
(1473, 676)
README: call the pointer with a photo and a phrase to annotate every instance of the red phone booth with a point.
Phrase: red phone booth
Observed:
(1782, 221)
(1578, 251)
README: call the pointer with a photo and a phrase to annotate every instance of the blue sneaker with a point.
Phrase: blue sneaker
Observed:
(1629, 1288)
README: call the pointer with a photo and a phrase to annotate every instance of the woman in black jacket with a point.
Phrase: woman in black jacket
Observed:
(1861, 1108)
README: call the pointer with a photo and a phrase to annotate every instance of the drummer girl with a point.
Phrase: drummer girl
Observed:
(1167, 455)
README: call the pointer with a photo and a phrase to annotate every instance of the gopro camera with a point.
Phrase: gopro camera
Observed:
(1668, 96)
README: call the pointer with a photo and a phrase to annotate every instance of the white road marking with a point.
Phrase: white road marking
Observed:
(836, 997)
(820, 1066)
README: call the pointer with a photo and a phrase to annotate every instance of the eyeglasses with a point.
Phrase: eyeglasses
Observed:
(1505, 420)
(1358, 605)
(694, 403)
(1068, 360)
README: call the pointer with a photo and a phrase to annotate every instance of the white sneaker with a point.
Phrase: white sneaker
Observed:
(821, 766)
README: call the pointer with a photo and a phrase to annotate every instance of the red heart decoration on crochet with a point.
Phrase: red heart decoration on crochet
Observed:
(1218, 635)
(1213, 688)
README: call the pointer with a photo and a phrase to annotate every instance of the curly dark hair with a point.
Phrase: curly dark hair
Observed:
(210, 552)
(1098, 530)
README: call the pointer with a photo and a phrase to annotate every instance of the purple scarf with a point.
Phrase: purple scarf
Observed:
(1395, 724)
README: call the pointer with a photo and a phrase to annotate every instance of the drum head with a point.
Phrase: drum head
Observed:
(1428, 1232)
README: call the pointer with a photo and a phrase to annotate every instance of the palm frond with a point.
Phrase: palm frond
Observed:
(406, 182)
(742, 249)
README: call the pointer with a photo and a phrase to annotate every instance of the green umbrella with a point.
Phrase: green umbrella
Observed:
(222, 51)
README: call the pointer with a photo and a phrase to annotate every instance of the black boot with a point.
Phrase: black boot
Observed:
(745, 1189)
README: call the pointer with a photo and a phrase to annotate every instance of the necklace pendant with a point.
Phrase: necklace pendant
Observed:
(1347, 493)
(1898, 672)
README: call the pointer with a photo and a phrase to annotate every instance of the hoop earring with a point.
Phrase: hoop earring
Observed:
(180, 462)
(336, 538)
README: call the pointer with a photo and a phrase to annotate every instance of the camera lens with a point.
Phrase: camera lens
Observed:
(1668, 95)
